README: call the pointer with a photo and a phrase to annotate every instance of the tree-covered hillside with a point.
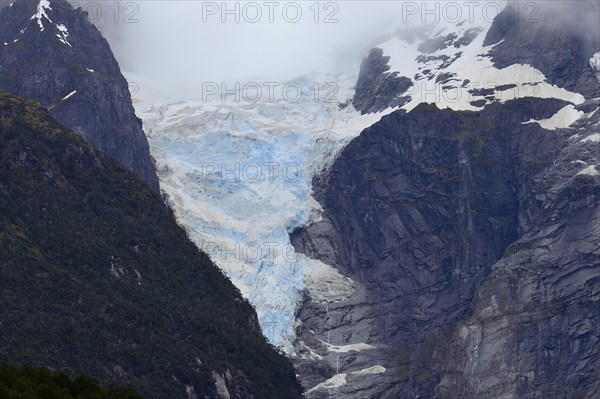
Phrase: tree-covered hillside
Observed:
(98, 278)
(41, 383)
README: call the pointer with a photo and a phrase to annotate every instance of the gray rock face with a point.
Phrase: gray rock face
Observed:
(535, 324)
(417, 210)
(557, 38)
(377, 89)
(473, 238)
(70, 55)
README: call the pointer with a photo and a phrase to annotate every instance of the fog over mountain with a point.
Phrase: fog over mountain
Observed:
(200, 41)
(195, 45)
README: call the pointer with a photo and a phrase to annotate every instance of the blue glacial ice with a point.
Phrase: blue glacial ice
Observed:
(238, 175)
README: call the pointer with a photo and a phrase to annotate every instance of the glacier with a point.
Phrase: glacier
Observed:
(237, 170)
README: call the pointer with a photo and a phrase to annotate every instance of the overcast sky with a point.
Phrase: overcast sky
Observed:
(181, 42)
(177, 44)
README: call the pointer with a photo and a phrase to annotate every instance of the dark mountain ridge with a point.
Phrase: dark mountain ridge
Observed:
(52, 54)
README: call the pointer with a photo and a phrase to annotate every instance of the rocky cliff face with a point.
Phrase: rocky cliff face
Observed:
(559, 40)
(472, 236)
(533, 330)
(52, 54)
(377, 88)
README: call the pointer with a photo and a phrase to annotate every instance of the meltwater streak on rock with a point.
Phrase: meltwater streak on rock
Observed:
(49, 50)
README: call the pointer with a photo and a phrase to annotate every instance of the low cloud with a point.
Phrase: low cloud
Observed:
(176, 44)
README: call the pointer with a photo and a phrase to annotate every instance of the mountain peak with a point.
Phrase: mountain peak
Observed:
(54, 55)
(54, 18)
(43, 19)
(468, 65)
(41, 14)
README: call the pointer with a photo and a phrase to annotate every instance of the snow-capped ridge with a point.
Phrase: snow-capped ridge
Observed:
(41, 14)
(44, 22)
(454, 69)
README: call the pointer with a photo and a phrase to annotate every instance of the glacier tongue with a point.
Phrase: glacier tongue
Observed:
(238, 175)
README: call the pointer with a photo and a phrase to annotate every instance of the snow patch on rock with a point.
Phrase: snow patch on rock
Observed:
(460, 74)
(592, 138)
(64, 33)
(71, 94)
(377, 369)
(334, 382)
(564, 118)
(590, 171)
(347, 348)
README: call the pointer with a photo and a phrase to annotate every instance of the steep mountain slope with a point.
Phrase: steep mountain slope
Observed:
(469, 226)
(52, 54)
(99, 278)
(417, 210)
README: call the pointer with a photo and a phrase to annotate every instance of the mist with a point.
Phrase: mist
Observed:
(178, 45)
